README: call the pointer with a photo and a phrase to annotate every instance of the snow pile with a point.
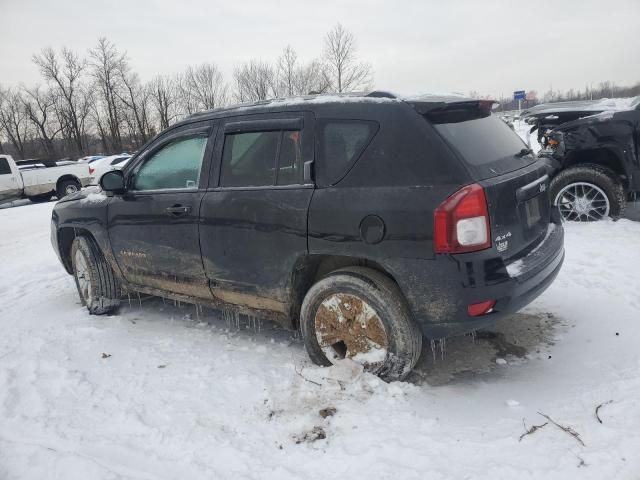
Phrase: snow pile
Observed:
(158, 391)
(95, 197)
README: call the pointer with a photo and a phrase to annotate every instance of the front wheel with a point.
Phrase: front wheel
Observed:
(97, 285)
(360, 314)
(588, 193)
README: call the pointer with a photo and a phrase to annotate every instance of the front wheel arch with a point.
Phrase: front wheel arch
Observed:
(602, 177)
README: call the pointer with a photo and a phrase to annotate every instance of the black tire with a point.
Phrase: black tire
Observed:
(104, 293)
(597, 175)
(65, 185)
(41, 198)
(383, 295)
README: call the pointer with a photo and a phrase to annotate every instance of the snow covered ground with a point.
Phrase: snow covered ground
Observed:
(155, 393)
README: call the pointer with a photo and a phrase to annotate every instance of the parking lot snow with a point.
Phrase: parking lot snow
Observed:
(160, 392)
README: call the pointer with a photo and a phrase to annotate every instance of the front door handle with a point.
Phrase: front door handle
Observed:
(178, 210)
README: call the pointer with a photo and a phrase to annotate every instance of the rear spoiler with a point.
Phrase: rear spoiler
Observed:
(426, 108)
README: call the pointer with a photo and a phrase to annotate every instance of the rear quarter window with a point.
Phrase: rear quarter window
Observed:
(4, 167)
(340, 144)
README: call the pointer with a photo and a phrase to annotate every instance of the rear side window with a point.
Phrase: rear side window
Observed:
(341, 143)
(4, 167)
(255, 159)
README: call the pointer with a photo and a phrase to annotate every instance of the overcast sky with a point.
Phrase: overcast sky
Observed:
(493, 47)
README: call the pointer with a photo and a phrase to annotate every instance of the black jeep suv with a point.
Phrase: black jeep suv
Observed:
(365, 221)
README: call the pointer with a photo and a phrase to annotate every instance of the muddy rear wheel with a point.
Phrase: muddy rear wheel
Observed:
(360, 314)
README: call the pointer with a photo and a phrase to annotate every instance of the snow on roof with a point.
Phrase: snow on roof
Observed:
(356, 97)
(605, 104)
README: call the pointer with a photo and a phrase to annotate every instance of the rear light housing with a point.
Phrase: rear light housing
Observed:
(91, 170)
(461, 222)
(481, 308)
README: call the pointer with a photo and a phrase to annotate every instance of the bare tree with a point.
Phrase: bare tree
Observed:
(287, 71)
(296, 79)
(255, 80)
(107, 66)
(345, 71)
(66, 77)
(164, 98)
(202, 88)
(137, 98)
(40, 107)
(14, 120)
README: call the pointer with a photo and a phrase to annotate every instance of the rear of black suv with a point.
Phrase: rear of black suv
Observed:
(460, 206)
(496, 244)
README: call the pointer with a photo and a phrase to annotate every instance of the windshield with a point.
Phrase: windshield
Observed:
(486, 144)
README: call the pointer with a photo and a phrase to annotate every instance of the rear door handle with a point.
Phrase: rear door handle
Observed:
(178, 210)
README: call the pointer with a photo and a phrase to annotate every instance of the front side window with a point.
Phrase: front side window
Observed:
(4, 167)
(254, 159)
(341, 143)
(177, 165)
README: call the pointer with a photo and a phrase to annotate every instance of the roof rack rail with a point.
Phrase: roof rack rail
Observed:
(380, 94)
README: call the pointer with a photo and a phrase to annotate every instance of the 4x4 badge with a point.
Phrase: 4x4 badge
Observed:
(502, 243)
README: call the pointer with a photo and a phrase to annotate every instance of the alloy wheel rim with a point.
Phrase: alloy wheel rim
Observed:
(582, 202)
(82, 275)
(70, 189)
(348, 327)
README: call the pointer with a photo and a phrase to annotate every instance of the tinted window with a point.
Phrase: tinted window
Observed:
(251, 159)
(4, 167)
(486, 144)
(482, 140)
(341, 143)
(290, 160)
(176, 165)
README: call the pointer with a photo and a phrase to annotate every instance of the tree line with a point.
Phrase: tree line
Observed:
(95, 103)
(592, 91)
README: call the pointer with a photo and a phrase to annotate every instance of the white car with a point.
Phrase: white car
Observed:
(40, 181)
(99, 167)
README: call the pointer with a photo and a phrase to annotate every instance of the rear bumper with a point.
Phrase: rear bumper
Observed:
(439, 291)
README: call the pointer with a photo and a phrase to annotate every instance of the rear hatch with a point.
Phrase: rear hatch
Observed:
(514, 180)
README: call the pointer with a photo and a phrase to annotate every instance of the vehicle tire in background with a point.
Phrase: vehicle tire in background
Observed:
(67, 187)
(41, 198)
(587, 193)
(97, 285)
(359, 313)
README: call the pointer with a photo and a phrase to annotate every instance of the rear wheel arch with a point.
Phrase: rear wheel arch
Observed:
(309, 269)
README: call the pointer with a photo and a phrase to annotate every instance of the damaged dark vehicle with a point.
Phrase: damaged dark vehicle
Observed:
(364, 221)
(592, 150)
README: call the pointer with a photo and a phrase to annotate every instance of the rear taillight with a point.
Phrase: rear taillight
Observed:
(482, 308)
(461, 222)
(91, 170)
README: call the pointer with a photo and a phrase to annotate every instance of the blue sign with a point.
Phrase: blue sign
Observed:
(519, 95)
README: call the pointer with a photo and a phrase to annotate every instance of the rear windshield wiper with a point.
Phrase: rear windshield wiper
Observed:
(523, 152)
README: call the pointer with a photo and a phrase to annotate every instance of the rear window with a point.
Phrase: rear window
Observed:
(487, 145)
(341, 144)
(4, 167)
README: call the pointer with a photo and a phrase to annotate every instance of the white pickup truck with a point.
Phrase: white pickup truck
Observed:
(41, 181)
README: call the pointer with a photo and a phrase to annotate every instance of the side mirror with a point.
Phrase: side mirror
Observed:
(113, 182)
